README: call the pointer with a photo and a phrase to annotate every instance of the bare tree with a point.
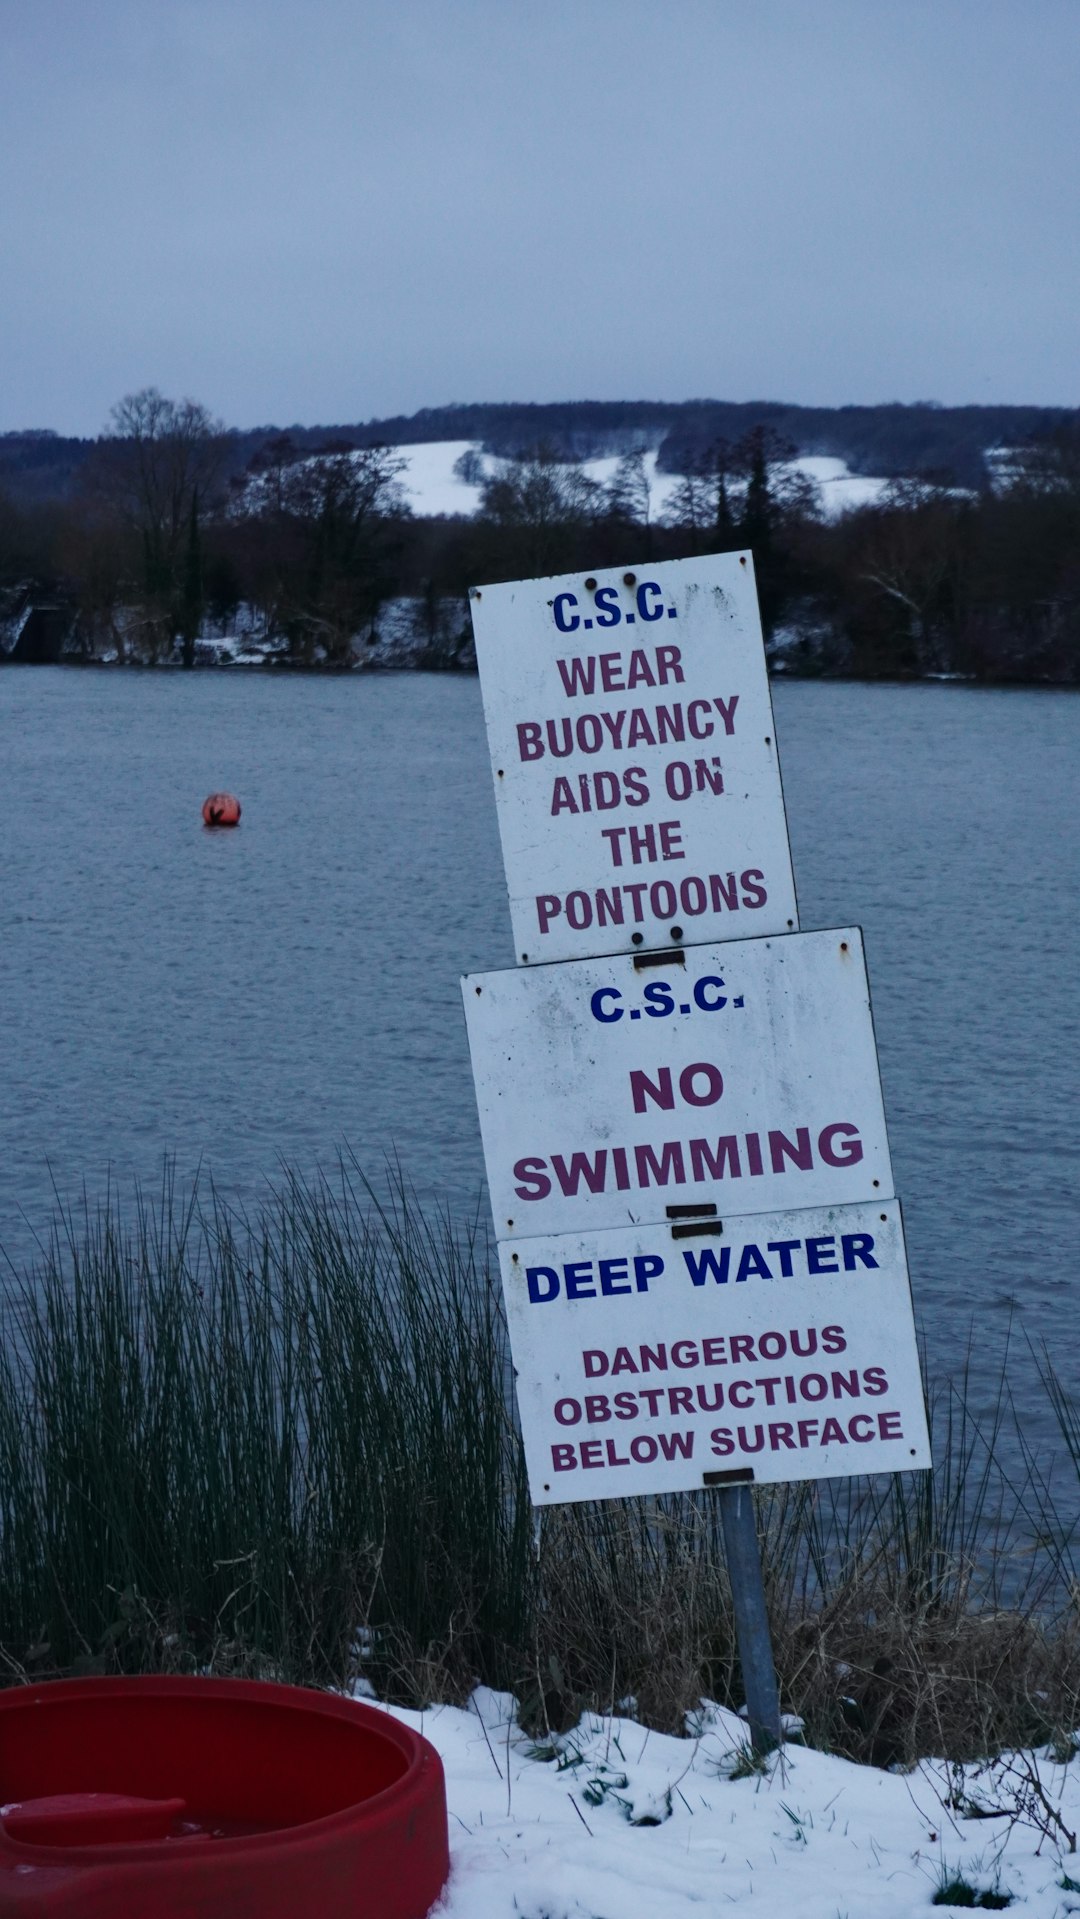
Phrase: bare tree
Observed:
(910, 556)
(541, 500)
(711, 488)
(692, 506)
(1048, 464)
(469, 466)
(328, 521)
(630, 494)
(158, 465)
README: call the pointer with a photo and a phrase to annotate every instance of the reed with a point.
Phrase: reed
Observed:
(245, 1442)
(284, 1444)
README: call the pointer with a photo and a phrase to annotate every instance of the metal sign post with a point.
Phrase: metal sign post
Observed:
(752, 1634)
(702, 1253)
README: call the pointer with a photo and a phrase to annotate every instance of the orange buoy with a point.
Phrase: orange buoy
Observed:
(221, 809)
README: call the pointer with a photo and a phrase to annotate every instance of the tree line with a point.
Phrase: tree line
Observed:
(891, 439)
(163, 530)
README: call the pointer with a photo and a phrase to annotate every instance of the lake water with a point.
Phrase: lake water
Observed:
(246, 1000)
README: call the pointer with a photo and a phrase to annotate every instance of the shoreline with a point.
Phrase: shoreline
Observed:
(361, 668)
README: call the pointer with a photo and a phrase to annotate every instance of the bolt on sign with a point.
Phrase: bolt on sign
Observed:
(742, 1077)
(658, 1358)
(634, 757)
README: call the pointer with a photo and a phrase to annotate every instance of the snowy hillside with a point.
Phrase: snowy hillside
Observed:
(432, 486)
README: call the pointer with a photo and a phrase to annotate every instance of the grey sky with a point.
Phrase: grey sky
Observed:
(321, 210)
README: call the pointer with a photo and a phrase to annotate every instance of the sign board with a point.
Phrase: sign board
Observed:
(743, 1076)
(634, 758)
(784, 1345)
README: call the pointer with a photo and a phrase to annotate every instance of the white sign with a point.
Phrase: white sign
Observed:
(781, 1349)
(742, 1075)
(634, 756)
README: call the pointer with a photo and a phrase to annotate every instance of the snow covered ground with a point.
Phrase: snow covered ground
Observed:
(430, 483)
(614, 1822)
(433, 487)
(841, 490)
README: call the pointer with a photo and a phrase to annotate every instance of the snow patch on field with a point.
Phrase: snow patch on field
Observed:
(611, 1821)
(430, 483)
(432, 486)
(840, 490)
(662, 486)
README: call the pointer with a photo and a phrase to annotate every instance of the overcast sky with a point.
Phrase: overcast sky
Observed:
(324, 210)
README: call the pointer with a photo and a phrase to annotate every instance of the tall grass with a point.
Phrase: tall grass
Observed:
(245, 1442)
(286, 1445)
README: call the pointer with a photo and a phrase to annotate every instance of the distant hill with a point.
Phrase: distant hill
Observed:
(890, 440)
(39, 465)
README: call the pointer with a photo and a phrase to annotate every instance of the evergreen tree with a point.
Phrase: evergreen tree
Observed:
(722, 462)
(191, 599)
(755, 526)
(630, 495)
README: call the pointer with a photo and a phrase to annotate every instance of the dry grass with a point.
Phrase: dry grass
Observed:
(638, 1605)
(286, 1446)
